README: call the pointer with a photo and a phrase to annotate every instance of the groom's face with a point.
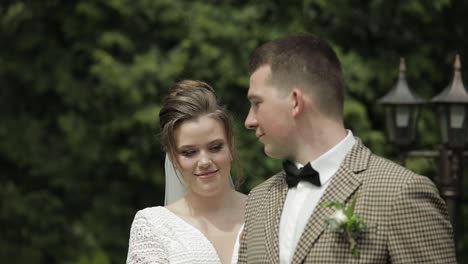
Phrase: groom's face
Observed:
(269, 114)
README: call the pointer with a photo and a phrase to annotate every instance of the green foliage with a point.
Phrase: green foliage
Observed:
(99, 257)
(81, 83)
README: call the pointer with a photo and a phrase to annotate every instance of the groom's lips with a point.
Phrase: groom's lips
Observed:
(259, 136)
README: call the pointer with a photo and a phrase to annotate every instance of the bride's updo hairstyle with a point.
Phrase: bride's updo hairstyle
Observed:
(190, 100)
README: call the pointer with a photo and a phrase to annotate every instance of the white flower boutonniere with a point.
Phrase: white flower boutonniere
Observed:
(344, 221)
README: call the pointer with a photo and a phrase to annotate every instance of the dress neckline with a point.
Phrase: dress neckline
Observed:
(234, 254)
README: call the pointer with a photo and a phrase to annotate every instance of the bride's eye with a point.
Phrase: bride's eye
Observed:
(217, 148)
(187, 153)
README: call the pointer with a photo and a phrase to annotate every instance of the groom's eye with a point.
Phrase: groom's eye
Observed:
(255, 104)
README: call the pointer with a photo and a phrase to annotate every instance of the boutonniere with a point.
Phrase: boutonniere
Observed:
(344, 221)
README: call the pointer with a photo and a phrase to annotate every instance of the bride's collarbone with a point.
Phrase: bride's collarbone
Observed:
(218, 227)
(222, 232)
(223, 221)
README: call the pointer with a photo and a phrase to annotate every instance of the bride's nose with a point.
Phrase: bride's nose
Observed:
(205, 161)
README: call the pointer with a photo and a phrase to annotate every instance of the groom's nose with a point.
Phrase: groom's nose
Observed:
(251, 121)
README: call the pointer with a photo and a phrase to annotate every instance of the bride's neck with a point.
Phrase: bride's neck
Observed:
(212, 204)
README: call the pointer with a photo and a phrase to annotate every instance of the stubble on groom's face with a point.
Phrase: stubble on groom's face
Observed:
(268, 114)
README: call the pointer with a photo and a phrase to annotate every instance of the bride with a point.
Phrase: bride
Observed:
(204, 215)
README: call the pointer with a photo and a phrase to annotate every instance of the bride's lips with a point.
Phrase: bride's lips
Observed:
(206, 174)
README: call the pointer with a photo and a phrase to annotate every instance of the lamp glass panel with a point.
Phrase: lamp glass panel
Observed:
(457, 115)
(389, 121)
(414, 118)
(402, 115)
(443, 123)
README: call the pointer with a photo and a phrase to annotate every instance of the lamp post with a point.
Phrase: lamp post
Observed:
(402, 109)
(452, 110)
(401, 112)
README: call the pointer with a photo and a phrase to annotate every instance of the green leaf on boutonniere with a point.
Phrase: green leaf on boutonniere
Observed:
(349, 211)
(344, 221)
(337, 205)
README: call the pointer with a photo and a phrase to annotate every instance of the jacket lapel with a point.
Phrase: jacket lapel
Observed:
(278, 194)
(343, 185)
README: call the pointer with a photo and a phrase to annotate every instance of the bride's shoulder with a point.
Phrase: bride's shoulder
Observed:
(155, 221)
(152, 210)
(154, 215)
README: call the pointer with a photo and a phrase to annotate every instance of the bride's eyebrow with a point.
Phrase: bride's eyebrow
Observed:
(214, 141)
(186, 146)
(218, 140)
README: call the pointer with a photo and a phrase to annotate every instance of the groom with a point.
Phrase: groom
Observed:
(296, 93)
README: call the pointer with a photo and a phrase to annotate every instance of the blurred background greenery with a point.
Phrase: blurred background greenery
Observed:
(81, 84)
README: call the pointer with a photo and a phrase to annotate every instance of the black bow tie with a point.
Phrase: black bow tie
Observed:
(295, 175)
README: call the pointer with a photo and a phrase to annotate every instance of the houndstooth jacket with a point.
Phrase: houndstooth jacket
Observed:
(406, 218)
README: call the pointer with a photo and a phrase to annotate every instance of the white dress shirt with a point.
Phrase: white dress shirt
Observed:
(302, 199)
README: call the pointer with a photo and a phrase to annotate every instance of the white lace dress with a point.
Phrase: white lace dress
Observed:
(159, 236)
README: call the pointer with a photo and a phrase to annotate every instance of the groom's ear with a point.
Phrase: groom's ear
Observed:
(297, 98)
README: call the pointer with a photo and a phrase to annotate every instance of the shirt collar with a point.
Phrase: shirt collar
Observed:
(329, 162)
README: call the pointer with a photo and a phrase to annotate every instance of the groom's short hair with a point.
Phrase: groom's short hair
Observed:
(304, 61)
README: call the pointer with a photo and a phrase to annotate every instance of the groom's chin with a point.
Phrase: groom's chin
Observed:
(272, 153)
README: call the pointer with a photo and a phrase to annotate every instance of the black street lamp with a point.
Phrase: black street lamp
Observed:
(452, 106)
(452, 109)
(402, 109)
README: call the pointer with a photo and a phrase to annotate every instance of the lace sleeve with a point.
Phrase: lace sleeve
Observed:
(145, 245)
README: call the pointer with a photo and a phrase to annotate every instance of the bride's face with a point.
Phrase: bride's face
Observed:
(203, 155)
